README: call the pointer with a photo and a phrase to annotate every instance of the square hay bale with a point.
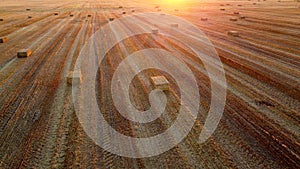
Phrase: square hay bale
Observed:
(3, 39)
(28, 9)
(233, 19)
(233, 33)
(155, 31)
(1, 19)
(29, 17)
(74, 76)
(222, 9)
(174, 25)
(111, 18)
(24, 53)
(89, 15)
(71, 15)
(204, 19)
(56, 13)
(120, 7)
(160, 82)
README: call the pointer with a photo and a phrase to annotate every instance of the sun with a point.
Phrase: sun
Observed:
(174, 3)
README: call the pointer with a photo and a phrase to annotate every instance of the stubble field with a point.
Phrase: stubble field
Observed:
(260, 126)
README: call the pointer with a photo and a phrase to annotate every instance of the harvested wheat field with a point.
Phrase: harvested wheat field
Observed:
(42, 42)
